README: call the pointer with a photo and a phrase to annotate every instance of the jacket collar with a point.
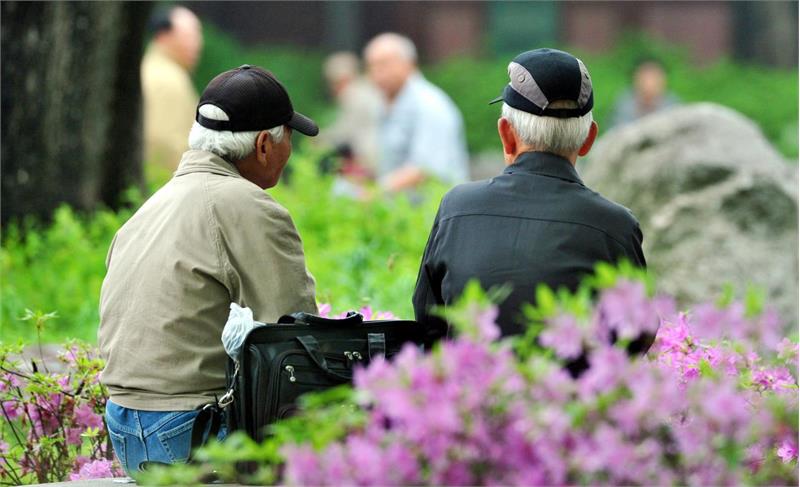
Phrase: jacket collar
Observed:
(201, 161)
(544, 164)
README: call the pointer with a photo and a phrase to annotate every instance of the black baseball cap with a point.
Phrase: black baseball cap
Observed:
(254, 100)
(542, 76)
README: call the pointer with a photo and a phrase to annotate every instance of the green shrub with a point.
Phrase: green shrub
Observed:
(360, 252)
(60, 267)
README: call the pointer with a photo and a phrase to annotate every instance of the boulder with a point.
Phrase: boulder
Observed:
(716, 202)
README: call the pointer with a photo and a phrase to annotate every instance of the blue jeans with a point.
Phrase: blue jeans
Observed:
(151, 436)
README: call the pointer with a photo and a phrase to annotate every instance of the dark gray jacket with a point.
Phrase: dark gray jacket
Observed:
(535, 223)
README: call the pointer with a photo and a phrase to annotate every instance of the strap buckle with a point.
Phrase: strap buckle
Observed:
(227, 398)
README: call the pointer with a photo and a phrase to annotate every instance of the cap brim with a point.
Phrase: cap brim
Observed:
(499, 98)
(303, 124)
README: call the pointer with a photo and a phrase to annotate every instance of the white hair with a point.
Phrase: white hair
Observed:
(232, 146)
(561, 136)
(401, 44)
(341, 65)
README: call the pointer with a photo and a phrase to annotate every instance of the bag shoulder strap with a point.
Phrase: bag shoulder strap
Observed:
(209, 417)
(353, 318)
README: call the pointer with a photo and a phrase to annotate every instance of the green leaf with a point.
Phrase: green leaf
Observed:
(546, 301)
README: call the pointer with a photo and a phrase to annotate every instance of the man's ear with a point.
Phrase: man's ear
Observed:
(587, 144)
(507, 136)
(263, 146)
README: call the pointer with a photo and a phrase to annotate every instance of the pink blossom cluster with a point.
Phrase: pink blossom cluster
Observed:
(51, 420)
(701, 409)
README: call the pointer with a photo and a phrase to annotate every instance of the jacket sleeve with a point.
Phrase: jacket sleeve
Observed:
(635, 252)
(262, 259)
(427, 293)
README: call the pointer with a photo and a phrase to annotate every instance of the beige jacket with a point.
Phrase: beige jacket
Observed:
(207, 238)
(170, 101)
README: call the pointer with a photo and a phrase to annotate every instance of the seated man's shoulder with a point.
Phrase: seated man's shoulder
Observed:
(241, 198)
(602, 209)
(465, 196)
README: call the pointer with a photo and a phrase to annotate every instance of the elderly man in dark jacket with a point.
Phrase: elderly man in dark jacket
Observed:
(536, 222)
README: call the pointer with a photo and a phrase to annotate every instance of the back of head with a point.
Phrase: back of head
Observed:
(391, 58)
(562, 136)
(178, 32)
(341, 66)
(236, 106)
(548, 101)
(400, 45)
(231, 146)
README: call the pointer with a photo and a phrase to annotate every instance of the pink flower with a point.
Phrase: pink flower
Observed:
(627, 309)
(606, 369)
(564, 336)
(86, 417)
(74, 436)
(303, 467)
(11, 409)
(370, 314)
(63, 383)
(324, 310)
(724, 405)
(788, 351)
(787, 451)
(97, 469)
(9, 381)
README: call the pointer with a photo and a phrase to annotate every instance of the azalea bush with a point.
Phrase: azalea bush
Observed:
(714, 402)
(52, 427)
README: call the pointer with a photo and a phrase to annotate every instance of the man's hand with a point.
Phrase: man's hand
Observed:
(406, 177)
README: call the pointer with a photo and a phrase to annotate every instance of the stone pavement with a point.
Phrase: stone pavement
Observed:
(111, 482)
(119, 482)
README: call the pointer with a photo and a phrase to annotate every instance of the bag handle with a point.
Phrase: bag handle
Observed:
(353, 318)
(310, 345)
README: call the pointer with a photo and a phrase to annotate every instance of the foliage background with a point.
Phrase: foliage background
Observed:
(766, 95)
(359, 252)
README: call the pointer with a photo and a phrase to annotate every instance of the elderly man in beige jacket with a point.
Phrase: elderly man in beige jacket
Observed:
(209, 237)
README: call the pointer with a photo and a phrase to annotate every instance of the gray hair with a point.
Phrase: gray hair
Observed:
(341, 65)
(561, 136)
(403, 45)
(232, 146)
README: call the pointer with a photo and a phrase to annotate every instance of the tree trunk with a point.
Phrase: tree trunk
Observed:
(71, 104)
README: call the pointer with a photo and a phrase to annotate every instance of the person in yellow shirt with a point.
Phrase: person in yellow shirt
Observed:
(170, 98)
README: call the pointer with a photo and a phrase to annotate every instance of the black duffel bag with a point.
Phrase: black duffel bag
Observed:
(301, 353)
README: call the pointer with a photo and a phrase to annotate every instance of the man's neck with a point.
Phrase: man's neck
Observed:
(572, 158)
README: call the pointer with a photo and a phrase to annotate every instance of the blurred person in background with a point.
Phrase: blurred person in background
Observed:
(648, 95)
(536, 223)
(170, 99)
(354, 132)
(422, 132)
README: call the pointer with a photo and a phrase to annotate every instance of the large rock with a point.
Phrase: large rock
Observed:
(716, 202)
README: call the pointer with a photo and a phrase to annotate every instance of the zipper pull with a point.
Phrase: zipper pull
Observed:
(290, 369)
(357, 356)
